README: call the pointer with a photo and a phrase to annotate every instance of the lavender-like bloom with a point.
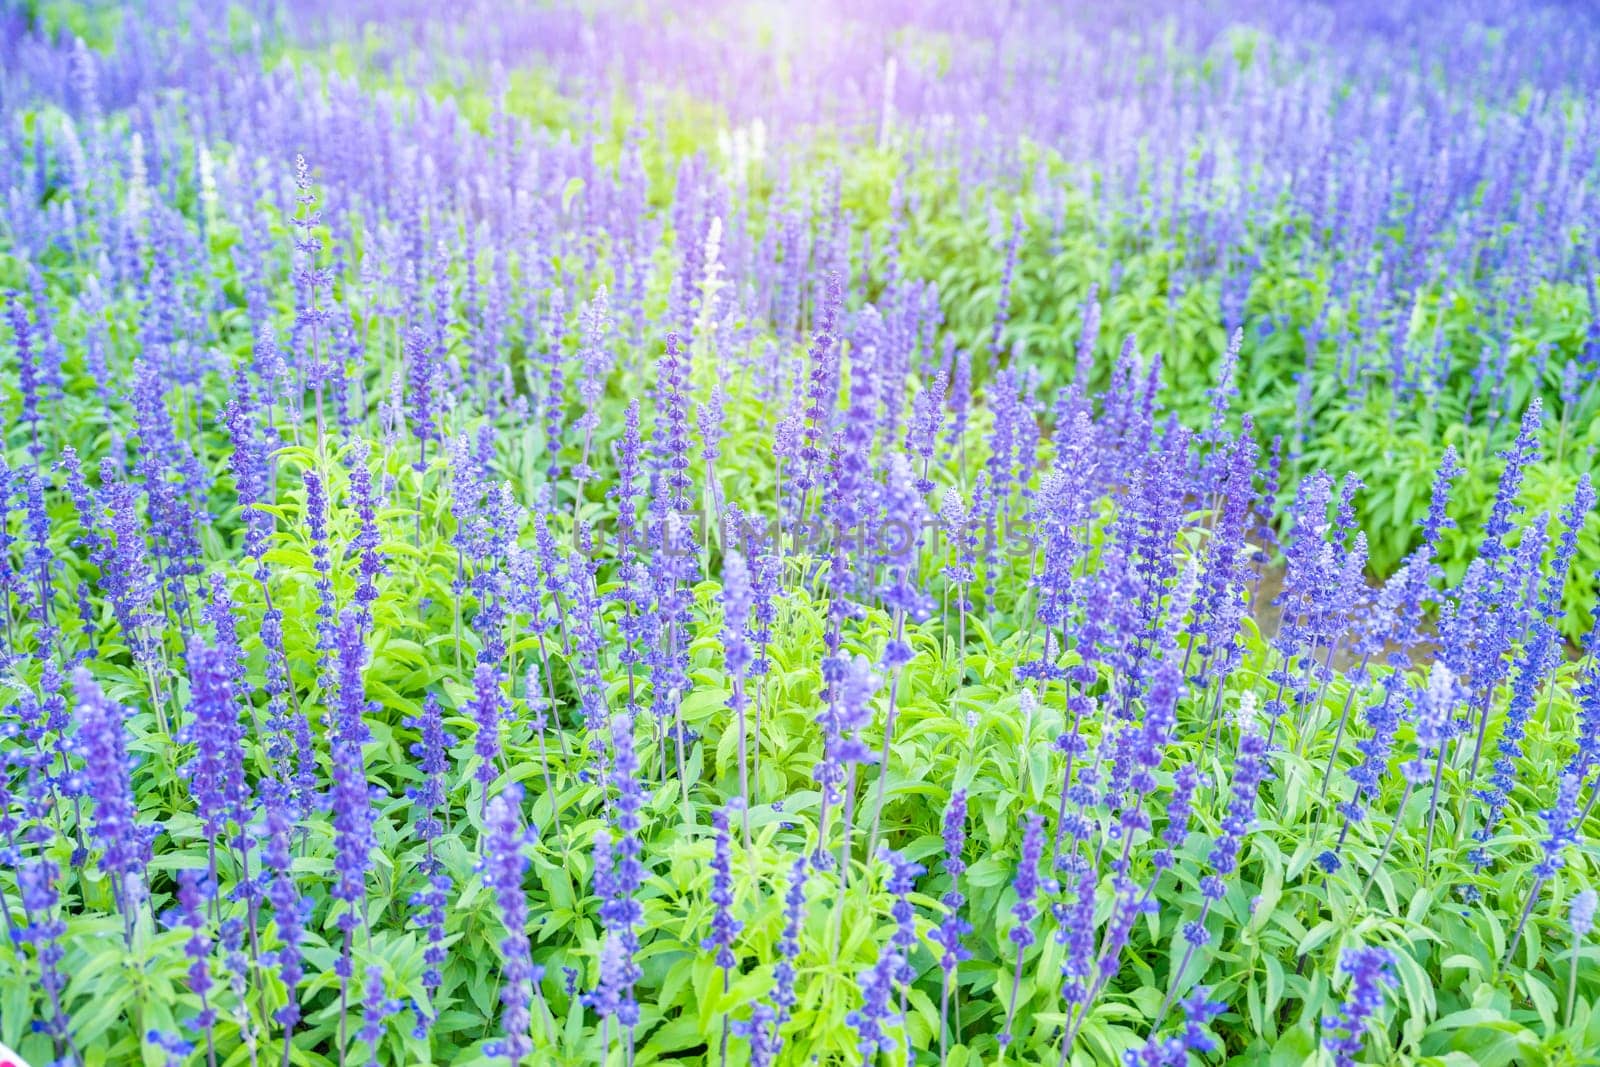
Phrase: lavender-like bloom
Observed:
(736, 598)
(783, 975)
(594, 360)
(1434, 729)
(1180, 810)
(1494, 615)
(350, 797)
(903, 875)
(125, 573)
(29, 371)
(309, 316)
(1580, 916)
(489, 709)
(822, 388)
(1198, 1010)
(1561, 823)
(504, 865)
(251, 465)
(1311, 581)
(1002, 310)
(786, 450)
(379, 1006)
(291, 909)
(316, 518)
(877, 1008)
(39, 560)
(124, 843)
(177, 1049)
(1220, 604)
(631, 576)
(87, 618)
(368, 541)
(670, 437)
(1025, 910)
(922, 431)
(216, 772)
(761, 1029)
(218, 611)
(1502, 515)
(1437, 519)
(1368, 775)
(421, 372)
(607, 997)
(1223, 391)
(1432, 725)
(1434, 706)
(193, 892)
(724, 927)
(953, 927)
(1535, 660)
(1075, 929)
(36, 884)
(90, 539)
(766, 588)
(617, 877)
(1580, 919)
(851, 683)
(589, 640)
(429, 800)
(1250, 768)
(960, 398)
(10, 583)
(1371, 970)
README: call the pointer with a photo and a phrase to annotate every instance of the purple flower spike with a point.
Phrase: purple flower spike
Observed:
(1371, 970)
(504, 864)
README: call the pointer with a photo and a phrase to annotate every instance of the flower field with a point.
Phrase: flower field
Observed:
(733, 532)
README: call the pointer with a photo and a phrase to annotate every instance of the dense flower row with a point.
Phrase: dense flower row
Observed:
(473, 592)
